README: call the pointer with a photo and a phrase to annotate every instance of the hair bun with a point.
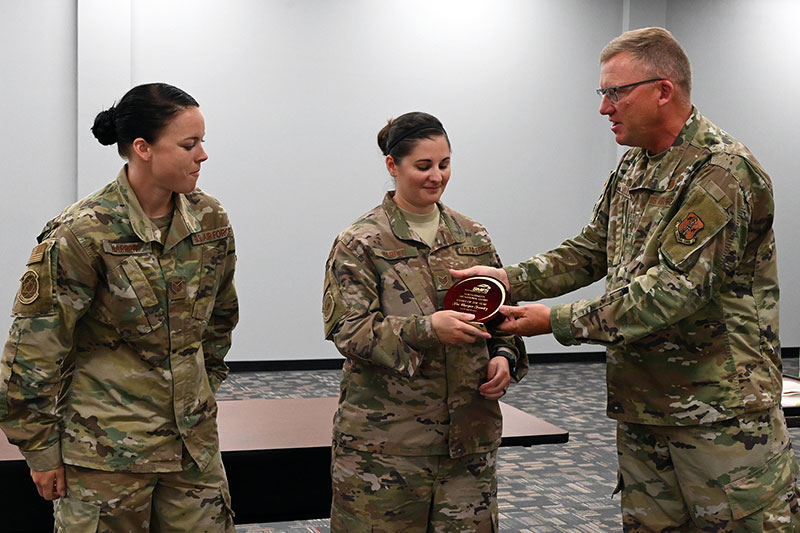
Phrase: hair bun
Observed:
(105, 128)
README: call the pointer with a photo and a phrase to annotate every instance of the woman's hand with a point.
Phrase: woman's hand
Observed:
(499, 376)
(51, 484)
(453, 327)
(496, 273)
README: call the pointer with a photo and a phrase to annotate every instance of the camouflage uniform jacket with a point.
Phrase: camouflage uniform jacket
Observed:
(117, 343)
(690, 313)
(402, 391)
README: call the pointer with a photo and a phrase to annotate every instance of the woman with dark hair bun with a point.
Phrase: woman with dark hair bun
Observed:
(418, 425)
(121, 324)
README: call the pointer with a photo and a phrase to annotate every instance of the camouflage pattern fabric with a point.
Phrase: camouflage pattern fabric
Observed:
(109, 502)
(737, 475)
(690, 313)
(382, 493)
(402, 391)
(117, 343)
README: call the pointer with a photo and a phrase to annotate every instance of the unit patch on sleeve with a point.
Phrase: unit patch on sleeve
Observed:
(28, 287)
(687, 229)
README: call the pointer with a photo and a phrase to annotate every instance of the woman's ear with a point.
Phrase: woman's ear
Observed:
(391, 166)
(141, 149)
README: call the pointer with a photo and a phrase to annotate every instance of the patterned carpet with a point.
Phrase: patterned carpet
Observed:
(543, 489)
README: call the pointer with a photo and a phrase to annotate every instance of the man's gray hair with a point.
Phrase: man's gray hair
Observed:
(657, 50)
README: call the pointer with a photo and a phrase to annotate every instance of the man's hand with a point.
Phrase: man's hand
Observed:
(452, 327)
(527, 320)
(51, 484)
(497, 273)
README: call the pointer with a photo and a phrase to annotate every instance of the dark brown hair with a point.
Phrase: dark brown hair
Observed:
(400, 135)
(143, 112)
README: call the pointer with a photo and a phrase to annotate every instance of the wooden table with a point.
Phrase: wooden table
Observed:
(277, 454)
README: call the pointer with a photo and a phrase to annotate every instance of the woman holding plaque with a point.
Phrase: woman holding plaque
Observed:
(418, 425)
(121, 323)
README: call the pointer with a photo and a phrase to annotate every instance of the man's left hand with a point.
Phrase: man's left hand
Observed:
(527, 320)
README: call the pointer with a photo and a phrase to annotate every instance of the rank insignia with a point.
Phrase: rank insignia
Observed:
(687, 229)
(177, 287)
(28, 288)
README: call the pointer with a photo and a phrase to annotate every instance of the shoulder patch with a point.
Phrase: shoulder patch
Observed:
(211, 235)
(37, 254)
(687, 229)
(28, 287)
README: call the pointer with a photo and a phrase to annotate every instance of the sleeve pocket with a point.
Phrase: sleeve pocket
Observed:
(35, 296)
(697, 222)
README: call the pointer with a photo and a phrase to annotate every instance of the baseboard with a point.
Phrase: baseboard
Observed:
(335, 364)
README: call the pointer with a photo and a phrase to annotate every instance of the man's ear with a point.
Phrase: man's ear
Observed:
(668, 92)
(141, 149)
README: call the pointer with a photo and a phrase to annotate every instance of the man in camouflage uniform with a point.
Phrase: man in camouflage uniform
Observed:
(683, 235)
(411, 416)
(115, 352)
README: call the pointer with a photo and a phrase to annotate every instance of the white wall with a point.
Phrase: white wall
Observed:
(294, 93)
(37, 136)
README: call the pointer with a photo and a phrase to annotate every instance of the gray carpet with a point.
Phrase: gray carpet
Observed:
(543, 489)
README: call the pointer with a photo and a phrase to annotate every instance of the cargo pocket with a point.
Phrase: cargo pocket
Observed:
(75, 516)
(751, 493)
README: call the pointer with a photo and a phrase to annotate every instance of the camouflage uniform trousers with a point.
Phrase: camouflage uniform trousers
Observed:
(738, 475)
(388, 493)
(115, 502)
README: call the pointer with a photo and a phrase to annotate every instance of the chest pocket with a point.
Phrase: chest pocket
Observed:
(212, 257)
(635, 214)
(132, 308)
(404, 287)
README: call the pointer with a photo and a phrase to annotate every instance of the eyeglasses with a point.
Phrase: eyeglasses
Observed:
(613, 92)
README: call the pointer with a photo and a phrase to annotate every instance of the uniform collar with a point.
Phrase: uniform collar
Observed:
(659, 169)
(449, 231)
(184, 222)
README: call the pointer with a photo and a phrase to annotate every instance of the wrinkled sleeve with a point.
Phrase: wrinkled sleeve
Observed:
(690, 268)
(55, 291)
(355, 323)
(575, 263)
(510, 346)
(224, 316)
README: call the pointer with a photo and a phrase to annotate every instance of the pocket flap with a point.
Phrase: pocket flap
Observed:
(751, 493)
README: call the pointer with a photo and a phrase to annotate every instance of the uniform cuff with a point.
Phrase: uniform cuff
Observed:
(47, 459)
(420, 334)
(560, 321)
(517, 281)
